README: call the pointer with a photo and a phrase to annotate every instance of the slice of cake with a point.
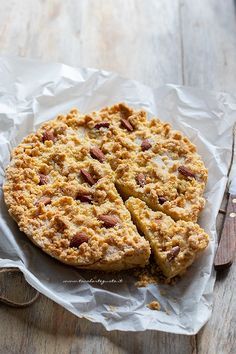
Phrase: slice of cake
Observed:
(175, 245)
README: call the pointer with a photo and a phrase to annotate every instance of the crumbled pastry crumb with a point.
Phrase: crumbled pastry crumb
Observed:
(154, 305)
(145, 280)
(152, 274)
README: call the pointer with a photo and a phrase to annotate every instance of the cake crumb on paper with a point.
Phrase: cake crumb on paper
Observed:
(151, 274)
(154, 305)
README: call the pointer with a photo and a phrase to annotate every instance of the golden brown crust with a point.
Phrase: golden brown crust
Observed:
(62, 179)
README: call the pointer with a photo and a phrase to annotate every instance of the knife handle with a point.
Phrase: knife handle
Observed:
(225, 252)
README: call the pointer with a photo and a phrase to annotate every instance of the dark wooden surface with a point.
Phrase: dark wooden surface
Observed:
(155, 41)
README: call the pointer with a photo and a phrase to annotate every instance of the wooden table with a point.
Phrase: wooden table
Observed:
(155, 41)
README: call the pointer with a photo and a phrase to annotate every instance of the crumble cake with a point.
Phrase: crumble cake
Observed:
(64, 199)
(175, 244)
(61, 184)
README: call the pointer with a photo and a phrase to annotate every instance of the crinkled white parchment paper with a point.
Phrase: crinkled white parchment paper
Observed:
(33, 92)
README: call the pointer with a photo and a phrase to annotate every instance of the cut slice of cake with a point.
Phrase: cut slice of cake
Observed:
(175, 245)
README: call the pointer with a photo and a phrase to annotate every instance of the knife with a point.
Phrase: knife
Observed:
(226, 249)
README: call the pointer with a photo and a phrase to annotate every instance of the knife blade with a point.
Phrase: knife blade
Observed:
(226, 248)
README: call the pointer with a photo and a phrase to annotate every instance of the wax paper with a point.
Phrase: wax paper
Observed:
(32, 92)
